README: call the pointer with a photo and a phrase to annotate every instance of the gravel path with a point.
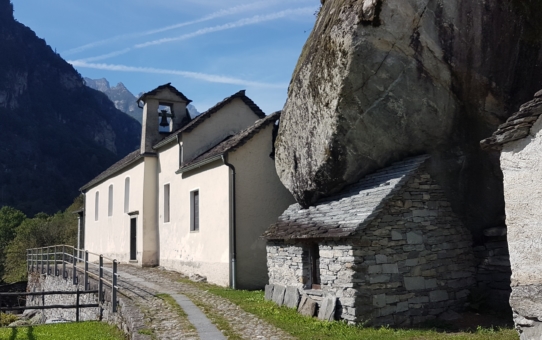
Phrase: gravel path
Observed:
(165, 321)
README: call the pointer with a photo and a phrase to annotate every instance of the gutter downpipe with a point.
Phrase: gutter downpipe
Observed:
(233, 268)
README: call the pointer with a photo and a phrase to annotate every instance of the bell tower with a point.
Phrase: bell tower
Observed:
(164, 111)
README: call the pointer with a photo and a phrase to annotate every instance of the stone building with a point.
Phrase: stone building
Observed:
(519, 141)
(386, 250)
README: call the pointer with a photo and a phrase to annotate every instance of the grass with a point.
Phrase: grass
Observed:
(91, 330)
(310, 328)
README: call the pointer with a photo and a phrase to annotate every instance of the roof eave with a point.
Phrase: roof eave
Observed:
(197, 165)
(90, 184)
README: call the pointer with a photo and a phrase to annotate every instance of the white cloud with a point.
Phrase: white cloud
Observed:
(212, 78)
(217, 14)
(239, 23)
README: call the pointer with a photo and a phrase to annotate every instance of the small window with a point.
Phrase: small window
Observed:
(96, 205)
(314, 258)
(127, 194)
(110, 201)
(194, 210)
(165, 115)
(166, 203)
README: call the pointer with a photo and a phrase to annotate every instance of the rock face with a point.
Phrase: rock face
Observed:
(379, 80)
(123, 99)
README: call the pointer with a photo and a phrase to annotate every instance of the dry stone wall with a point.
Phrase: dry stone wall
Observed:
(411, 264)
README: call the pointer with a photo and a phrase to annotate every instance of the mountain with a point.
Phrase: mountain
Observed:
(55, 133)
(124, 100)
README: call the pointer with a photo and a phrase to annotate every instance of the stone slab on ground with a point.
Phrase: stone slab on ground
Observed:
(307, 306)
(278, 294)
(327, 308)
(291, 297)
(269, 292)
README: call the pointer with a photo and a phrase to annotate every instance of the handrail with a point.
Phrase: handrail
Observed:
(42, 259)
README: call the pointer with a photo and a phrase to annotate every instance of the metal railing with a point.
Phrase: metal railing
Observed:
(77, 305)
(47, 260)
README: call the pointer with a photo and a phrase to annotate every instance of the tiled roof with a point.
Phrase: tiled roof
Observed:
(199, 119)
(129, 159)
(517, 126)
(233, 142)
(344, 213)
(161, 87)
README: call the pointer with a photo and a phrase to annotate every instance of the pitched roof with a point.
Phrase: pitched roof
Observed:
(231, 142)
(344, 213)
(129, 159)
(517, 126)
(202, 117)
(162, 87)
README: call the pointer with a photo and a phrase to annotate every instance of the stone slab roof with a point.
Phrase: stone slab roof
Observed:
(517, 126)
(352, 209)
(118, 166)
(232, 142)
(202, 117)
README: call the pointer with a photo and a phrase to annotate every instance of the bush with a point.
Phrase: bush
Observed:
(6, 319)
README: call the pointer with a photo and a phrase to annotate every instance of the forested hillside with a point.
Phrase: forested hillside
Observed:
(55, 133)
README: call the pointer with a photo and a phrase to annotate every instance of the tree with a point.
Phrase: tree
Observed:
(10, 219)
(40, 231)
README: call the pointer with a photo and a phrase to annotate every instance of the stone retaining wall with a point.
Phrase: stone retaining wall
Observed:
(128, 317)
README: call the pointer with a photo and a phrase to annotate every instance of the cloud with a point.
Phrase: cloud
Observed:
(243, 22)
(107, 56)
(239, 23)
(212, 78)
(218, 14)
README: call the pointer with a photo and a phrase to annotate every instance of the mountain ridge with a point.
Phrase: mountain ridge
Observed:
(55, 132)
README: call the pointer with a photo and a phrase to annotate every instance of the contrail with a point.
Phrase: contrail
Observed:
(243, 22)
(212, 78)
(218, 14)
(239, 23)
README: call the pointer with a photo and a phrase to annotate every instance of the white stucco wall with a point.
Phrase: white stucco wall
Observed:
(260, 199)
(110, 235)
(229, 120)
(205, 252)
(521, 163)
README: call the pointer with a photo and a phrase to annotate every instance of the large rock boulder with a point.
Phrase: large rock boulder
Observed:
(379, 80)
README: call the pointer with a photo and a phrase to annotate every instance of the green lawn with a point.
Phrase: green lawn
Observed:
(91, 330)
(311, 328)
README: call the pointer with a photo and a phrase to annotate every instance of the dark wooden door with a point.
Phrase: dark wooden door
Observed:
(133, 238)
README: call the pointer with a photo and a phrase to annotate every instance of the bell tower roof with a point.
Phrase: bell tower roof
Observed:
(162, 90)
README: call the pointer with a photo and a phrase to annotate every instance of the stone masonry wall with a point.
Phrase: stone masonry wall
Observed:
(413, 262)
(128, 317)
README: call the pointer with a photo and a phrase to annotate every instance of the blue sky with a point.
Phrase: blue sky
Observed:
(207, 49)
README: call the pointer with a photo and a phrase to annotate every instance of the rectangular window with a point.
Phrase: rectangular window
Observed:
(127, 195)
(96, 205)
(194, 210)
(110, 202)
(166, 203)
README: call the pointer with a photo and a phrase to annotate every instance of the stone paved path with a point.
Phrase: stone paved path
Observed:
(145, 282)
